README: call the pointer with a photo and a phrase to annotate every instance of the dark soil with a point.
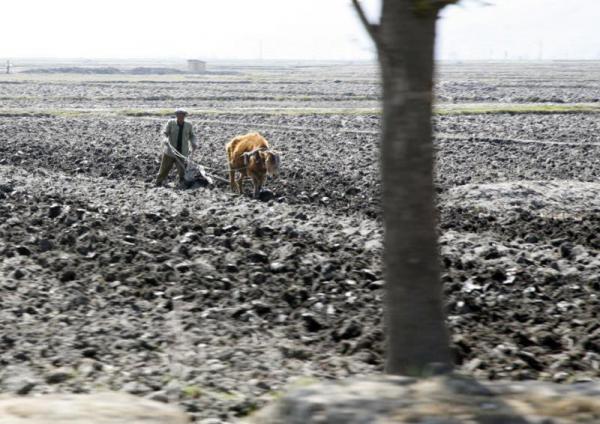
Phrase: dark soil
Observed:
(217, 301)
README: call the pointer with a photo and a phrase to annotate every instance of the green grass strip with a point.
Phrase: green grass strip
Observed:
(515, 108)
(440, 109)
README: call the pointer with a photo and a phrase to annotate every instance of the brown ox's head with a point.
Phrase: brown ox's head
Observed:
(262, 161)
(271, 160)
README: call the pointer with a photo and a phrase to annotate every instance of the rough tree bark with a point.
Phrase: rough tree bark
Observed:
(416, 333)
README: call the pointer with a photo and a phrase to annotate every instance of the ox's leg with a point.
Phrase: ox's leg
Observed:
(262, 183)
(257, 182)
(232, 179)
(240, 183)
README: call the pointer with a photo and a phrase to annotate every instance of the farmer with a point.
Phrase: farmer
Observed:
(180, 135)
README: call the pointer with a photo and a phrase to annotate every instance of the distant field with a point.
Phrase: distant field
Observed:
(470, 88)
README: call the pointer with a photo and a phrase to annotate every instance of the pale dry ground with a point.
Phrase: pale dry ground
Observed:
(448, 400)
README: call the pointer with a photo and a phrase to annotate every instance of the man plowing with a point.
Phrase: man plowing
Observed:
(182, 143)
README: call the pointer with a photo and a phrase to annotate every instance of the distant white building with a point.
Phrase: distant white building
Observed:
(196, 66)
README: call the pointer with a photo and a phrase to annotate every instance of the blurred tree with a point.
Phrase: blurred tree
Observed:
(417, 338)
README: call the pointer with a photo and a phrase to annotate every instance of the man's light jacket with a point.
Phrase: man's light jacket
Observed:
(172, 131)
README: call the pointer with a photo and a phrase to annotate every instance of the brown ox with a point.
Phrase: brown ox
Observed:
(250, 156)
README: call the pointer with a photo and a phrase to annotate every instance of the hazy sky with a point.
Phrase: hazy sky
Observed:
(286, 29)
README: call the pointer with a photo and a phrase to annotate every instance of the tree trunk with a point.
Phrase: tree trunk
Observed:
(416, 334)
